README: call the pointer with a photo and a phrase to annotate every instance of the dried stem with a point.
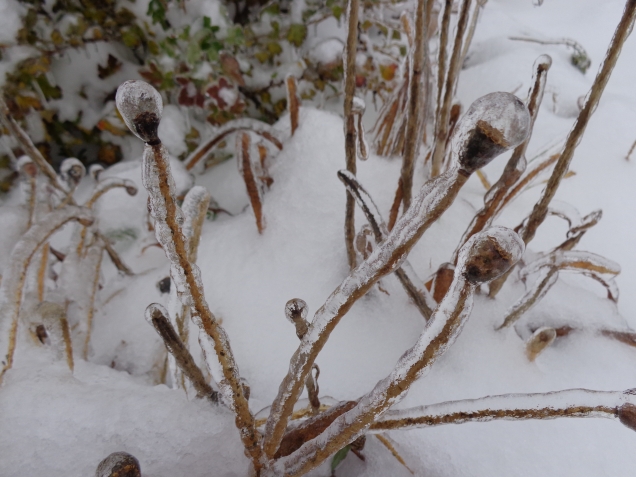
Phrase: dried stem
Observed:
(114, 256)
(540, 210)
(140, 105)
(515, 407)
(441, 59)
(387, 443)
(349, 66)
(248, 125)
(15, 273)
(54, 320)
(156, 316)
(96, 250)
(395, 207)
(25, 142)
(415, 109)
(44, 261)
(441, 129)
(471, 30)
(484, 257)
(631, 150)
(249, 177)
(292, 102)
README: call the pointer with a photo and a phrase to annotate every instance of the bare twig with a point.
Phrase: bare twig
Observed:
(156, 316)
(415, 103)
(140, 105)
(441, 59)
(292, 102)
(631, 150)
(250, 178)
(349, 66)
(441, 129)
(114, 256)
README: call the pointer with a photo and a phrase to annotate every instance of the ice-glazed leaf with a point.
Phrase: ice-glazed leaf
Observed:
(339, 457)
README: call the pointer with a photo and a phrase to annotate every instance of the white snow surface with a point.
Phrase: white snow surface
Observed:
(57, 424)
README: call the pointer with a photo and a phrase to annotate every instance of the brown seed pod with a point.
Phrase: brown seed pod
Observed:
(627, 415)
(119, 464)
(493, 124)
(539, 341)
(491, 254)
(296, 312)
(140, 106)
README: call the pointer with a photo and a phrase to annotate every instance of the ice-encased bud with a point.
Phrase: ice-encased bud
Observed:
(296, 312)
(627, 414)
(489, 254)
(119, 464)
(72, 171)
(141, 106)
(493, 124)
(26, 166)
(95, 170)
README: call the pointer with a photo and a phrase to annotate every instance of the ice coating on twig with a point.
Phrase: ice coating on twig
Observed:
(539, 341)
(567, 403)
(141, 106)
(485, 256)
(493, 124)
(108, 184)
(72, 171)
(95, 171)
(186, 276)
(195, 206)
(15, 273)
(296, 313)
(573, 260)
(251, 171)
(53, 318)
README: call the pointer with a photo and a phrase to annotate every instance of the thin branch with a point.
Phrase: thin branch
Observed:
(114, 256)
(540, 210)
(453, 69)
(292, 102)
(156, 316)
(471, 30)
(93, 255)
(140, 106)
(415, 109)
(349, 66)
(250, 177)
(631, 150)
(245, 124)
(441, 59)
(516, 407)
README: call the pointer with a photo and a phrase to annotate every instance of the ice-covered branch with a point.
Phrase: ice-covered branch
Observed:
(493, 124)
(156, 315)
(407, 276)
(109, 184)
(16, 270)
(516, 407)
(53, 318)
(249, 169)
(349, 67)
(140, 105)
(484, 257)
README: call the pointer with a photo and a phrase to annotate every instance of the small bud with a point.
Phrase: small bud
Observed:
(26, 166)
(119, 464)
(141, 106)
(489, 254)
(72, 171)
(493, 124)
(296, 312)
(95, 170)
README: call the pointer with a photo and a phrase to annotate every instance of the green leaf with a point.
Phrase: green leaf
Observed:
(297, 34)
(339, 457)
(157, 12)
(193, 53)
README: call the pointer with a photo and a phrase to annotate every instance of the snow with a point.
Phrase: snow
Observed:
(56, 423)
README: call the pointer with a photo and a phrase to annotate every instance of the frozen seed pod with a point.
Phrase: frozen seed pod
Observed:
(539, 341)
(26, 166)
(490, 254)
(627, 414)
(141, 106)
(296, 312)
(72, 171)
(119, 464)
(493, 124)
(95, 170)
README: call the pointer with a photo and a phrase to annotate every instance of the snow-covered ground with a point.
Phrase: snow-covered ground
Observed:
(54, 423)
